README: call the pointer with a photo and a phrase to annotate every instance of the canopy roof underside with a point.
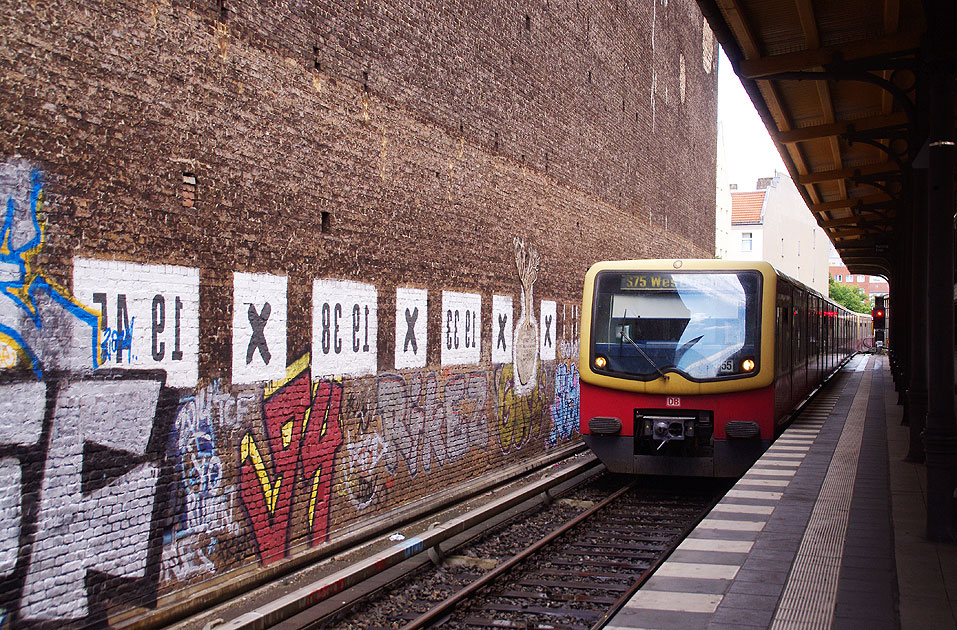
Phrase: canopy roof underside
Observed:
(835, 83)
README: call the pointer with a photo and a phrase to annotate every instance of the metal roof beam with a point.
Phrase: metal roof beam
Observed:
(867, 200)
(855, 220)
(863, 231)
(844, 173)
(816, 132)
(807, 59)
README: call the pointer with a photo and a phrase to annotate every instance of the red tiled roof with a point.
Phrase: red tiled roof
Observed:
(746, 206)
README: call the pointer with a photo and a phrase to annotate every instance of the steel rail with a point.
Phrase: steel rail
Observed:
(448, 605)
(634, 588)
(301, 599)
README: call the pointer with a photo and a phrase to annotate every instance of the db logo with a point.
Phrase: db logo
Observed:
(673, 401)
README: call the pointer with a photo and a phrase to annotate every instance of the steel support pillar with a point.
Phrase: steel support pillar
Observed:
(940, 433)
(900, 296)
(918, 270)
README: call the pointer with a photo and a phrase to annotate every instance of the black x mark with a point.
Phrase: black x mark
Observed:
(258, 340)
(410, 317)
(502, 320)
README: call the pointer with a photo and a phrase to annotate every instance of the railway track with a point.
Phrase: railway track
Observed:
(589, 551)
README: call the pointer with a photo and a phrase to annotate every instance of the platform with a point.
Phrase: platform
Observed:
(824, 531)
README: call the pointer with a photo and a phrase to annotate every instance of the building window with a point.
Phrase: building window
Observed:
(746, 242)
(840, 277)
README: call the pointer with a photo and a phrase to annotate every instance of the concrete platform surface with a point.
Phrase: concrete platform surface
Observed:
(825, 531)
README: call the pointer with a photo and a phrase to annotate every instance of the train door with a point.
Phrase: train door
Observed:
(799, 346)
(783, 319)
(814, 337)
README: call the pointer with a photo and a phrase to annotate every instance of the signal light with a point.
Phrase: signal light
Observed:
(600, 362)
(747, 365)
(879, 320)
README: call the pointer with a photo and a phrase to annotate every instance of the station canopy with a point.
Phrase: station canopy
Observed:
(836, 85)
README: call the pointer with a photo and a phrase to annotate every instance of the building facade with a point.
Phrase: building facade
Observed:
(275, 273)
(871, 285)
(773, 224)
(723, 242)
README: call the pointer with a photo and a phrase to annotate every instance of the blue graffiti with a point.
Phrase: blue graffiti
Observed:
(116, 341)
(23, 280)
(565, 408)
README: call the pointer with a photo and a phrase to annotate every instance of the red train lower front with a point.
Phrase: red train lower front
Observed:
(717, 435)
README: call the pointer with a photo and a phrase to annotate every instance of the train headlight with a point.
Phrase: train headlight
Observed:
(747, 365)
(600, 362)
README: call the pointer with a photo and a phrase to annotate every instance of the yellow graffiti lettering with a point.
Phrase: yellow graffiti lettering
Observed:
(314, 495)
(249, 450)
(287, 434)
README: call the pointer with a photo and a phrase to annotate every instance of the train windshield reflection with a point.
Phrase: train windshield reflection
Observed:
(702, 325)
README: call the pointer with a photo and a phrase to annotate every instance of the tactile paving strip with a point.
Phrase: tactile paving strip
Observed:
(811, 592)
(688, 589)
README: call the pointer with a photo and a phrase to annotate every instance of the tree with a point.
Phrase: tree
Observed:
(849, 296)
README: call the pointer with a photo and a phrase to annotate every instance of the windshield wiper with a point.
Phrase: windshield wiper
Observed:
(687, 346)
(625, 336)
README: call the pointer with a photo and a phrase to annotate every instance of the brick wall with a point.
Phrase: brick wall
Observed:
(274, 269)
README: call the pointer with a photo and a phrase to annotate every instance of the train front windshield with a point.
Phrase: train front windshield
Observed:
(703, 325)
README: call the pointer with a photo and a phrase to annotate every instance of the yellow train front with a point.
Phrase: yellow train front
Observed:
(693, 367)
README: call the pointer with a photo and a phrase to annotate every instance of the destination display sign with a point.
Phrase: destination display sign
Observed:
(642, 281)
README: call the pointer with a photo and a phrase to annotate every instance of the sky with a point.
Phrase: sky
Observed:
(748, 149)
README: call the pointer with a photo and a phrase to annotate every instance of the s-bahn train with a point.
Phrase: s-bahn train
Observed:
(693, 367)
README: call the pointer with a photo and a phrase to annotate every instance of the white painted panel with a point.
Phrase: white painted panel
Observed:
(461, 328)
(548, 326)
(344, 328)
(149, 316)
(411, 326)
(259, 327)
(503, 326)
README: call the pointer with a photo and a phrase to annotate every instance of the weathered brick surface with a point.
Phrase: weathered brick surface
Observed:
(386, 144)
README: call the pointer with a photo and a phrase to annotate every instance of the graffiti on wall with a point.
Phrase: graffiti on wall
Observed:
(34, 310)
(113, 485)
(290, 465)
(564, 411)
(80, 464)
(362, 467)
(519, 417)
(202, 501)
(425, 422)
